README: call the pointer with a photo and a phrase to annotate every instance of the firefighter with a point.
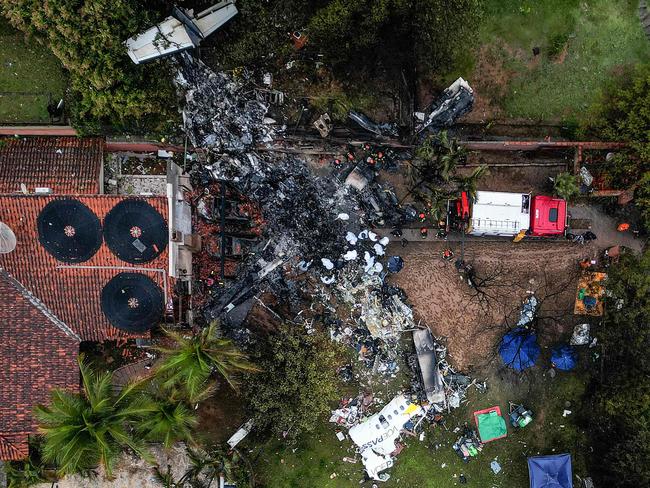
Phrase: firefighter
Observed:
(447, 254)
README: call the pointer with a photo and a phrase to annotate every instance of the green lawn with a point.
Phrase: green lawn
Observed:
(29, 73)
(311, 462)
(582, 43)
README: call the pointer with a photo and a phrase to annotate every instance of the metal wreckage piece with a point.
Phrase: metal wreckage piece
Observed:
(454, 102)
(317, 228)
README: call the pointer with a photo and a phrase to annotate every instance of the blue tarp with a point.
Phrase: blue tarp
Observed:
(519, 349)
(564, 357)
(550, 471)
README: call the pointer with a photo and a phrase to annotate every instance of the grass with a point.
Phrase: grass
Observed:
(582, 44)
(29, 74)
(432, 463)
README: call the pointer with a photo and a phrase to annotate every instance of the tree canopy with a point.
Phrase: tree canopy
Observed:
(297, 384)
(623, 114)
(423, 33)
(353, 35)
(619, 420)
(85, 430)
(88, 37)
(623, 111)
(194, 363)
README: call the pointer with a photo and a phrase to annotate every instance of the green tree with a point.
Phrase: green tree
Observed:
(298, 382)
(88, 37)
(361, 34)
(642, 199)
(194, 363)
(619, 400)
(623, 112)
(84, 430)
(169, 420)
(28, 472)
(434, 176)
(566, 186)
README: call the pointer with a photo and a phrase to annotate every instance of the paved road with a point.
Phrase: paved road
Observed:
(602, 225)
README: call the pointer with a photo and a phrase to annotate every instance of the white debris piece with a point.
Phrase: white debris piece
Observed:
(363, 234)
(378, 268)
(372, 236)
(242, 432)
(343, 216)
(351, 255)
(379, 250)
(351, 237)
(528, 309)
(328, 280)
(327, 263)
(580, 335)
(384, 241)
(376, 436)
(370, 262)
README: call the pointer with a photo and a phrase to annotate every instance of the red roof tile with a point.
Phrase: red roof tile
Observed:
(67, 165)
(37, 356)
(72, 292)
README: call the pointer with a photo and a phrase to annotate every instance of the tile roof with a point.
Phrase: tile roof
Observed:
(37, 355)
(67, 165)
(71, 293)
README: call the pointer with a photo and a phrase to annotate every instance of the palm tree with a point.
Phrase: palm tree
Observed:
(469, 183)
(215, 462)
(86, 429)
(434, 167)
(193, 363)
(169, 420)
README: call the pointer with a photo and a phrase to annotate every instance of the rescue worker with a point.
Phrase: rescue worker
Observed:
(424, 232)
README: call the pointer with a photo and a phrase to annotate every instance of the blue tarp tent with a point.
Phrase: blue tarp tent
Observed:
(564, 357)
(550, 471)
(519, 349)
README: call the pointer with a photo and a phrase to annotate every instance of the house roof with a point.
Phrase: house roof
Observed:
(72, 292)
(67, 165)
(38, 354)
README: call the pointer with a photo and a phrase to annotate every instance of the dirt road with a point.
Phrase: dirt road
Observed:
(473, 323)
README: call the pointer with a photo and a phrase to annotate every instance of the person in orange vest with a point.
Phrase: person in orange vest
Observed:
(623, 227)
(424, 232)
(447, 254)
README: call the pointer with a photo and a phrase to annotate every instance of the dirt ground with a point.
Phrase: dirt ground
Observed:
(131, 472)
(471, 324)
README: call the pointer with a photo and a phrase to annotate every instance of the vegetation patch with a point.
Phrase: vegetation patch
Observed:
(580, 43)
(30, 77)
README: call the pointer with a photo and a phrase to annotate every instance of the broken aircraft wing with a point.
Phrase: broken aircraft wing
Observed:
(179, 32)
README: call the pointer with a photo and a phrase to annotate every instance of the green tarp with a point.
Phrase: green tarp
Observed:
(491, 426)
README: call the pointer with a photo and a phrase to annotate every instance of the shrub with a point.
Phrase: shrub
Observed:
(566, 186)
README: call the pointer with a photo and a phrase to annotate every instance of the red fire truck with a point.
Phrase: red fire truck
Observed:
(508, 214)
